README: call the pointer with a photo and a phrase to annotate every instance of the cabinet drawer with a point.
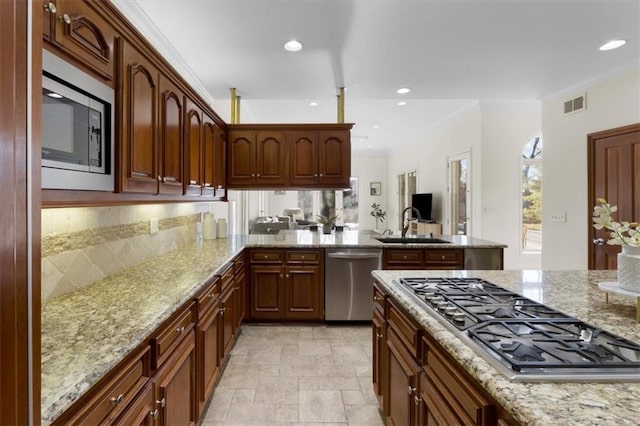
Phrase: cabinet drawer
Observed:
(443, 256)
(405, 257)
(226, 279)
(238, 264)
(299, 256)
(378, 299)
(208, 296)
(114, 395)
(406, 329)
(168, 336)
(469, 406)
(266, 256)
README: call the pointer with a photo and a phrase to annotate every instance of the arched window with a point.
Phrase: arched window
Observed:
(532, 195)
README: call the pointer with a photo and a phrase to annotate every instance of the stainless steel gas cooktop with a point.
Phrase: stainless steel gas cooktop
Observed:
(524, 339)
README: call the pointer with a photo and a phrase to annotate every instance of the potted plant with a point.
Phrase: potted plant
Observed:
(327, 222)
(378, 213)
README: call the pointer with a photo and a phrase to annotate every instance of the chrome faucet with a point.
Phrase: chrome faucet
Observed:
(406, 227)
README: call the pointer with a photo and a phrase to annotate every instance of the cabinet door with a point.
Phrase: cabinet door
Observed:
(402, 383)
(241, 297)
(175, 385)
(208, 355)
(379, 357)
(193, 140)
(142, 411)
(208, 164)
(241, 158)
(271, 158)
(334, 157)
(83, 34)
(227, 325)
(303, 158)
(50, 9)
(138, 153)
(304, 293)
(219, 162)
(267, 287)
(171, 138)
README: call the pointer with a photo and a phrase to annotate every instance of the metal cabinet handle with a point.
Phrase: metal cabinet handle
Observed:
(410, 390)
(442, 257)
(321, 174)
(238, 288)
(65, 18)
(222, 311)
(379, 336)
(161, 402)
(180, 330)
(258, 174)
(404, 257)
(598, 241)
(286, 275)
(154, 413)
(302, 257)
(377, 298)
(50, 7)
(211, 296)
(281, 276)
(315, 175)
(159, 178)
(417, 400)
(117, 399)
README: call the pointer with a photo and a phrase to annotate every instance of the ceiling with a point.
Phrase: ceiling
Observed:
(453, 54)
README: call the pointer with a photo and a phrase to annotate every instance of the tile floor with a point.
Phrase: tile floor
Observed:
(311, 375)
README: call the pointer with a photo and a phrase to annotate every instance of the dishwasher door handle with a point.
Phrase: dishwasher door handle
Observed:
(339, 255)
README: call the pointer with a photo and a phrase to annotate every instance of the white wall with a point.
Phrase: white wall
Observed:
(612, 103)
(506, 128)
(367, 170)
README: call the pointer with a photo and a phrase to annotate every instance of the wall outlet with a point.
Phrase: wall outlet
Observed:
(153, 225)
(558, 217)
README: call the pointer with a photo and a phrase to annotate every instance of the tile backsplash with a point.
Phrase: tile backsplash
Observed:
(83, 245)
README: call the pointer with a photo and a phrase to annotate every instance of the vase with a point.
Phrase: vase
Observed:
(326, 228)
(629, 268)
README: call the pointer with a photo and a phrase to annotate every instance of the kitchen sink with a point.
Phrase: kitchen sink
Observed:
(417, 239)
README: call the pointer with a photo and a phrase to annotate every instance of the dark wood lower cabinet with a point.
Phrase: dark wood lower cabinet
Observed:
(303, 293)
(142, 411)
(402, 382)
(208, 343)
(174, 385)
(379, 338)
(227, 313)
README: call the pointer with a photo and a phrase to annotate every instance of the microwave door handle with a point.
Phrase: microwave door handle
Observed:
(95, 137)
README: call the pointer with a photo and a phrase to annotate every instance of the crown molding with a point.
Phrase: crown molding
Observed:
(134, 13)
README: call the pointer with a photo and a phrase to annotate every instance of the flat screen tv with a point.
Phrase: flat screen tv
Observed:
(422, 202)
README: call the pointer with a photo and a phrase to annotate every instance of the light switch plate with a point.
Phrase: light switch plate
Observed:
(558, 217)
(153, 225)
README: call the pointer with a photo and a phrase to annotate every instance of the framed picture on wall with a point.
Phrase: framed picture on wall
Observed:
(376, 188)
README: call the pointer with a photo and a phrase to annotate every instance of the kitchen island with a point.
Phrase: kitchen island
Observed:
(86, 333)
(575, 293)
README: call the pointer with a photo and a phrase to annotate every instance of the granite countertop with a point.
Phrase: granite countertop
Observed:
(362, 239)
(87, 332)
(573, 292)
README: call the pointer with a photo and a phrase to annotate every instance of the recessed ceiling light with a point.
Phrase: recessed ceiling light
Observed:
(293, 45)
(403, 90)
(313, 103)
(54, 95)
(613, 44)
(375, 126)
(369, 146)
(401, 103)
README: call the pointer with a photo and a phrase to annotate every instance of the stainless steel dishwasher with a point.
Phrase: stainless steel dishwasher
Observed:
(348, 285)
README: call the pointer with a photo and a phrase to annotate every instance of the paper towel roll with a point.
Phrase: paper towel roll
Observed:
(209, 227)
(222, 228)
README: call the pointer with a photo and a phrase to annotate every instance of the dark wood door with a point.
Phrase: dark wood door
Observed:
(402, 383)
(303, 158)
(208, 163)
(142, 411)
(227, 325)
(242, 159)
(208, 355)
(175, 385)
(138, 161)
(193, 140)
(614, 174)
(82, 33)
(304, 293)
(267, 297)
(271, 159)
(334, 157)
(219, 162)
(170, 178)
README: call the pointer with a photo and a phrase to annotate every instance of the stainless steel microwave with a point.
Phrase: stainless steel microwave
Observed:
(77, 128)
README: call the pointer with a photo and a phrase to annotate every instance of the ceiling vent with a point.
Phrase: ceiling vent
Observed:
(576, 104)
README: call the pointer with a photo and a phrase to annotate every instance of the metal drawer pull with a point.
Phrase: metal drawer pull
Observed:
(154, 413)
(161, 402)
(442, 257)
(117, 399)
(222, 311)
(417, 400)
(50, 7)
(410, 390)
(211, 295)
(377, 298)
(65, 18)
(180, 330)
(379, 335)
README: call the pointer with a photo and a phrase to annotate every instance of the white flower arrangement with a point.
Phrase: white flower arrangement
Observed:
(622, 233)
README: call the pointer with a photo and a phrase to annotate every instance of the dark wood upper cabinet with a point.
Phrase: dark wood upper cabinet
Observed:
(220, 162)
(271, 158)
(303, 158)
(242, 158)
(138, 157)
(210, 132)
(78, 31)
(193, 139)
(170, 179)
(334, 157)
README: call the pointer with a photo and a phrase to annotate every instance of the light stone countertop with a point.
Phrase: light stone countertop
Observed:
(573, 292)
(87, 332)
